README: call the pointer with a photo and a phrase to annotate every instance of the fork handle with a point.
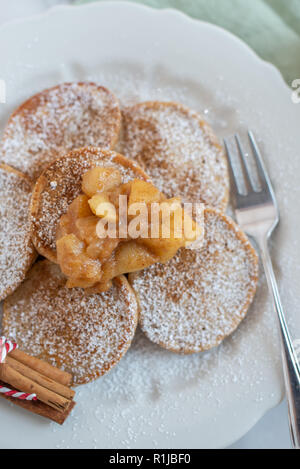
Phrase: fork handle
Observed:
(291, 368)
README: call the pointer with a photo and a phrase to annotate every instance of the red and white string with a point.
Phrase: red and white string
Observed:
(6, 346)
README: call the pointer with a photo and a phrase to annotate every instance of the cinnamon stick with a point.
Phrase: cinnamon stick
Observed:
(40, 378)
(42, 367)
(39, 408)
(18, 381)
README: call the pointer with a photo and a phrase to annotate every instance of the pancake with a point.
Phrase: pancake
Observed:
(179, 151)
(84, 335)
(16, 249)
(57, 120)
(200, 296)
(60, 184)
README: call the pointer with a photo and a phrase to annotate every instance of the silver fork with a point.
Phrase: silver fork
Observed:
(257, 213)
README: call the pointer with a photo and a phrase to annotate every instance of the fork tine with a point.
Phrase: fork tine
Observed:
(261, 169)
(231, 169)
(244, 164)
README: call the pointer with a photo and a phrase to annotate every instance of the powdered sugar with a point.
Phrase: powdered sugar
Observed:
(85, 335)
(59, 186)
(179, 151)
(199, 297)
(49, 124)
(16, 249)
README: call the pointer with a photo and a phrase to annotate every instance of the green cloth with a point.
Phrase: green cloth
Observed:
(270, 27)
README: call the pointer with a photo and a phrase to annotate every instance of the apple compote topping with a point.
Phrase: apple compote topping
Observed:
(115, 228)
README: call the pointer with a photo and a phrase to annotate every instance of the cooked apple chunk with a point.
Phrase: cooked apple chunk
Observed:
(100, 179)
(91, 249)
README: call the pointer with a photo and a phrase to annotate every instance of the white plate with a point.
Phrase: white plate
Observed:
(154, 398)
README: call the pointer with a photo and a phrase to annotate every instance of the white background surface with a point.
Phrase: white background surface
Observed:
(272, 431)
